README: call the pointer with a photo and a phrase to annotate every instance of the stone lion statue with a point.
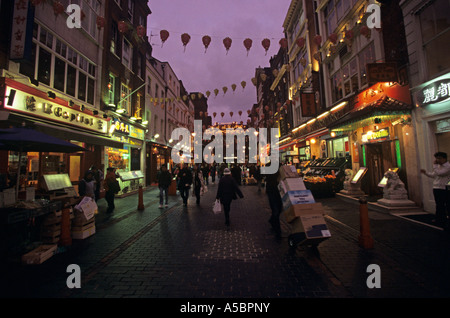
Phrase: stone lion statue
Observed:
(348, 175)
(394, 188)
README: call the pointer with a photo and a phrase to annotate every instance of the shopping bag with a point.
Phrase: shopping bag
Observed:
(217, 208)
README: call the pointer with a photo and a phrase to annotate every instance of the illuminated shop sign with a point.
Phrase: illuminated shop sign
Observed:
(433, 93)
(38, 107)
(121, 126)
(378, 135)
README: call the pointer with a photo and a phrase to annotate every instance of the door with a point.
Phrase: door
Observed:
(375, 169)
(75, 170)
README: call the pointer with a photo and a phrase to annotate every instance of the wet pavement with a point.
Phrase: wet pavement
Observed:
(187, 253)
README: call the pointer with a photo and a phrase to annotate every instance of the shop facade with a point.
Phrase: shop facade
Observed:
(158, 155)
(377, 134)
(431, 119)
(129, 161)
(27, 106)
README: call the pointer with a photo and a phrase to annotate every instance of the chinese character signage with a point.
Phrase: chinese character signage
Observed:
(434, 93)
(122, 127)
(21, 34)
(381, 72)
(308, 104)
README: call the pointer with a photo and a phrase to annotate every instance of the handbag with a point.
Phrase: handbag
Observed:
(217, 207)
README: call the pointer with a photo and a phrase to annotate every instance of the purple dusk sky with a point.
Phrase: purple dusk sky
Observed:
(202, 72)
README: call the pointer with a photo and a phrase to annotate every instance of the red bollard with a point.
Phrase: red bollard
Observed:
(66, 237)
(365, 239)
(141, 199)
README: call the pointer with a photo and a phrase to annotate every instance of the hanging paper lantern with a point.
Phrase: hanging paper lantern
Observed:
(283, 43)
(349, 34)
(225, 89)
(243, 84)
(318, 39)
(227, 43)
(254, 81)
(206, 41)
(300, 42)
(248, 112)
(185, 38)
(208, 93)
(222, 114)
(214, 114)
(100, 22)
(365, 31)
(240, 113)
(333, 38)
(122, 26)
(275, 72)
(266, 44)
(58, 7)
(231, 114)
(216, 91)
(303, 61)
(248, 44)
(140, 30)
(233, 87)
(164, 35)
(263, 77)
(266, 108)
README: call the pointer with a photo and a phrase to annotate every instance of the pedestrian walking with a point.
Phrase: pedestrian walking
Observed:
(441, 175)
(213, 173)
(184, 182)
(198, 183)
(275, 202)
(112, 187)
(86, 186)
(226, 193)
(205, 171)
(164, 181)
(98, 176)
(236, 172)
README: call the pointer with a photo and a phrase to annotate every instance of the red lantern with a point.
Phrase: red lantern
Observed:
(266, 44)
(349, 34)
(214, 114)
(240, 113)
(122, 26)
(248, 44)
(227, 43)
(185, 38)
(140, 30)
(266, 108)
(101, 21)
(164, 35)
(301, 42)
(58, 7)
(283, 43)
(248, 112)
(333, 38)
(222, 114)
(318, 39)
(231, 114)
(206, 41)
(365, 31)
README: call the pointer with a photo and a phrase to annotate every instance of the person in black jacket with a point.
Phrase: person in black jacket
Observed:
(184, 182)
(275, 202)
(164, 181)
(226, 193)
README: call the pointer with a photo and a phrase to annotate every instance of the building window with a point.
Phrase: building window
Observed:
(114, 37)
(130, 10)
(126, 98)
(435, 28)
(149, 85)
(336, 86)
(367, 55)
(111, 88)
(127, 54)
(45, 64)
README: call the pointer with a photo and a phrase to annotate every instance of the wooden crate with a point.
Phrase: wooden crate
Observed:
(39, 254)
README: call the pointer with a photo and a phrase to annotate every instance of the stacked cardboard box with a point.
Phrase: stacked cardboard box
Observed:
(301, 211)
(83, 223)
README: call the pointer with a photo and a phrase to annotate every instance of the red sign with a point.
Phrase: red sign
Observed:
(308, 104)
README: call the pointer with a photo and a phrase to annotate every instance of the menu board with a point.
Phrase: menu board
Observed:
(361, 172)
(130, 175)
(56, 181)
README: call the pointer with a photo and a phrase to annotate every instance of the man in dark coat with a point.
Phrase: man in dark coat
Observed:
(236, 173)
(226, 193)
(184, 182)
(164, 181)
(275, 202)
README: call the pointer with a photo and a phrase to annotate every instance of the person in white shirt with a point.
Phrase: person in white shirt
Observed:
(441, 175)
